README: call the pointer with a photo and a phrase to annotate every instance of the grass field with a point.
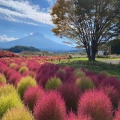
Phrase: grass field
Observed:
(96, 67)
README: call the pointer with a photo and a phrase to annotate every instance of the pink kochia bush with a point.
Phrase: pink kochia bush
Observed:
(50, 107)
(72, 116)
(31, 95)
(95, 104)
(71, 93)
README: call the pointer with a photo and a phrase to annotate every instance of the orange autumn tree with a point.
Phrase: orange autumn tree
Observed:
(87, 23)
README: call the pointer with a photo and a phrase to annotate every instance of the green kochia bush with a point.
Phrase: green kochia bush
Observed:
(11, 100)
(79, 73)
(23, 69)
(18, 114)
(24, 83)
(85, 83)
(2, 78)
(105, 73)
(53, 83)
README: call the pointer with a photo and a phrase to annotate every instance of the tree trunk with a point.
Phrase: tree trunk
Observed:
(88, 54)
(94, 51)
(91, 53)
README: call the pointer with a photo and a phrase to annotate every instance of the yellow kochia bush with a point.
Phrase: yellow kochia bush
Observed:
(24, 83)
(7, 89)
(23, 69)
(12, 65)
(2, 78)
(8, 101)
(18, 114)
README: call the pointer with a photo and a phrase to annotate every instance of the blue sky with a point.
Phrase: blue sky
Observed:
(19, 18)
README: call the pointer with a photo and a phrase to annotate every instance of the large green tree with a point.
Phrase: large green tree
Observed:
(87, 23)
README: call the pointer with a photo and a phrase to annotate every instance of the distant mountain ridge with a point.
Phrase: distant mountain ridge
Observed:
(18, 49)
(39, 41)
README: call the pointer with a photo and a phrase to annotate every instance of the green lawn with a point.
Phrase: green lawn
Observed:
(96, 67)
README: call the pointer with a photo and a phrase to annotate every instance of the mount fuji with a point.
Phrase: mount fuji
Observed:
(39, 41)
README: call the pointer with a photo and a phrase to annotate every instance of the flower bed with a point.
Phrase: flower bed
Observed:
(45, 91)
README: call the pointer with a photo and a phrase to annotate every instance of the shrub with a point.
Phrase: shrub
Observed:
(95, 80)
(112, 81)
(1, 84)
(23, 69)
(101, 76)
(11, 100)
(70, 93)
(112, 94)
(14, 78)
(61, 74)
(50, 107)
(7, 89)
(79, 73)
(53, 83)
(45, 72)
(117, 115)
(72, 116)
(18, 114)
(30, 73)
(89, 73)
(95, 104)
(85, 83)
(105, 73)
(13, 65)
(31, 95)
(2, 78)
(70, 77)
(24, 83)
(7, 72)
(33, 65)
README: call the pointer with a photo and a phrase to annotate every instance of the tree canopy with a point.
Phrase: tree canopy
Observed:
(87, 23)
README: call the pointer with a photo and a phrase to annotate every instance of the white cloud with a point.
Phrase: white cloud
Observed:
(13, 19)
(23, 9)
(31, 33)
(5, 38)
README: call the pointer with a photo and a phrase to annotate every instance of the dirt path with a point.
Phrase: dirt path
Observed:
(111, 61)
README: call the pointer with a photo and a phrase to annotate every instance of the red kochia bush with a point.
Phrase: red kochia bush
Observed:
(70, 93)
(117, 115)
(113, 81)
(112, 94)
(14, 78)
(45, 72)
(31, 95)
(95, 104)
(72, 116)
(50, 107)
(30, 73)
